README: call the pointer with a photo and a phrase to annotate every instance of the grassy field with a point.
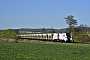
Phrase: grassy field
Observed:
(44, 51)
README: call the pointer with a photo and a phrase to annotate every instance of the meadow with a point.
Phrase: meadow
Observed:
(44, 51)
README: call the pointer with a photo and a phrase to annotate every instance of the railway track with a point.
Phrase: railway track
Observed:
(50, 41)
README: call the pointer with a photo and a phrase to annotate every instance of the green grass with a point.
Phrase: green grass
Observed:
(44, 51)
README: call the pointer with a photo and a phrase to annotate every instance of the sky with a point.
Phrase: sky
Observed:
(42, 13)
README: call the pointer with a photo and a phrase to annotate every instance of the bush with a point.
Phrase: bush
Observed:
(81, 38)
(8, 34)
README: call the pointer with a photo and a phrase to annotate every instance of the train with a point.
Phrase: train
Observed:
(66, 37)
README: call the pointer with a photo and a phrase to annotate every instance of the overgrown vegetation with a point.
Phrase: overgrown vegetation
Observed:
(44, 51)
(8, 34)
(81, 38)
(79, 33)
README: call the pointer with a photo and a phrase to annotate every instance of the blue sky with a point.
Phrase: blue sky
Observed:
(42, 13)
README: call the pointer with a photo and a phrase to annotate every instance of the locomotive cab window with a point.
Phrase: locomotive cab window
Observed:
(68, 34)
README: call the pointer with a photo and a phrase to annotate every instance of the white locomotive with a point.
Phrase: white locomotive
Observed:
(67, 37)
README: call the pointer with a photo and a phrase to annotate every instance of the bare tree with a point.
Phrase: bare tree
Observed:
(71, 22)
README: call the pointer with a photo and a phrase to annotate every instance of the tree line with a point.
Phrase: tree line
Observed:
(80, 33)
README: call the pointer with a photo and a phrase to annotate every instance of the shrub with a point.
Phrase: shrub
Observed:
(82, 38)
(8, 34)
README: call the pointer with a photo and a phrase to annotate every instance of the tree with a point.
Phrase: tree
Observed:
(52, 31)
(8, 34)
(43, 30)
(16, 30)
(71, 22)
(80, 33)
(82, 28)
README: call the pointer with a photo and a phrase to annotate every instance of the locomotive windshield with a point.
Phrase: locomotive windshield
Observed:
(68, 34)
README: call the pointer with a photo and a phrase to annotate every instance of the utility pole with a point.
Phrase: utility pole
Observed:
(52, 32)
